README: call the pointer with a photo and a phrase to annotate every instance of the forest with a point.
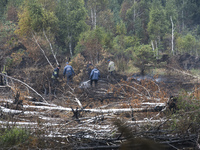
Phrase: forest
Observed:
(150, 102)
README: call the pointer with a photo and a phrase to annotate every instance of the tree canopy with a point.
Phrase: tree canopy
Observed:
(73, 23)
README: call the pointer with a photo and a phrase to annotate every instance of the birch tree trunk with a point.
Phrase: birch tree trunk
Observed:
(54, 55)
(172, 35)
(43, 52)
(183, 17)
(134, 11)
(156, 49)
(153, 47)
(70, 45)
(92, 18)
(95, 18)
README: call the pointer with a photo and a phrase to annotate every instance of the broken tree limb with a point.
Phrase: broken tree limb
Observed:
(143, 88)
(50, 47)
(42, 51)
(183, 72)
(25, 85)
(76, 99)
(122, 110)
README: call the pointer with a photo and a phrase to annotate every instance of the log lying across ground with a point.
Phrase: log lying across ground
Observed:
(60, 108)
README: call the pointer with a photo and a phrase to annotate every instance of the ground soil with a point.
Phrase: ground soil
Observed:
(113, 92)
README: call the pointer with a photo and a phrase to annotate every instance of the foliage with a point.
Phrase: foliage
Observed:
(186, 118)
(13, 137)
(15, 59)
(143, 57)
(137, 18)
(65, 23)
(7, 29)
(72, 16)
(34, 18)
(157, 25)
(186, 44)
(91, 44)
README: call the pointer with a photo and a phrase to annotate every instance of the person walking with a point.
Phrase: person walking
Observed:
(111, 67)
(89, 68)
(69, 72)
(94, 76)
(55, 77)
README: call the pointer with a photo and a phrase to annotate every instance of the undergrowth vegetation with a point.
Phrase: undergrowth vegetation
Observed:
(13, 136)
(186, 118)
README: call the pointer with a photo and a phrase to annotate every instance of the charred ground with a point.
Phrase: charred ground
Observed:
(128, 97)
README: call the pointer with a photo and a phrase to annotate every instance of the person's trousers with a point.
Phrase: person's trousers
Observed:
(95, 81)
(69, 79)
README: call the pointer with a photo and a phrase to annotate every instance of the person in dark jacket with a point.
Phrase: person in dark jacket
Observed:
(55, 74)
(94, 76)
(69, 72)
(89, 68)
(54, 77)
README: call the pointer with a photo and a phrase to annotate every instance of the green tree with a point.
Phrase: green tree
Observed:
(3, 4)
(186, 44)
(157, 26)
(123, 46)
(91, 44)
(143, 57)
(138, 18)
(34, 18)
(72, 15)
(114, 6)
(94, 8)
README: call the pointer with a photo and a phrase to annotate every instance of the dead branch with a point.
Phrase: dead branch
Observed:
(76, 99)
(183, 72)
(50, 47)
(25, 85)
(43, 52)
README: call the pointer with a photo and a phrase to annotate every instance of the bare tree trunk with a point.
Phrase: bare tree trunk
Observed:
(92, 18)
(95, 18)
(156, 49)
(24, 84)
(54, 55)
(70, 45)
(43, 51)
(183, 17)
(153, 47)
(134, 11)
(172, 35)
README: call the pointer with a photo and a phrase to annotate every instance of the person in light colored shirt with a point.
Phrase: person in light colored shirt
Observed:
(111, 67)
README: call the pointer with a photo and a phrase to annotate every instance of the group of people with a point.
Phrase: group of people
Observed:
(92, 71)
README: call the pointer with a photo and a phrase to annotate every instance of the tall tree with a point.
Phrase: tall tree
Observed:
(114, 6)
(171, 18)
(106, 20)
(138, 18)
(157, 26)
(3, 4)
(35, 19)
(95, 6)
(72, 15)
(91, 44)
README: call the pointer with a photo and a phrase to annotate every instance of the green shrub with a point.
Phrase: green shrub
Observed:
(15, 136)
(186, 119)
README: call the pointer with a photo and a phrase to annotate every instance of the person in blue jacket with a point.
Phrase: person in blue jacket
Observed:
(69, 72)
(94, 76)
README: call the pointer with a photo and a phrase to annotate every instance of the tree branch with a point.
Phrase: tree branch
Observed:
(50, 47)
(42, 51)
(24, 84)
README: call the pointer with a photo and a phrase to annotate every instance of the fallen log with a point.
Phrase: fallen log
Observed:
(25, 85)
